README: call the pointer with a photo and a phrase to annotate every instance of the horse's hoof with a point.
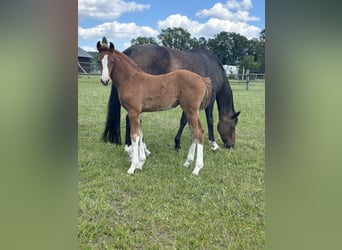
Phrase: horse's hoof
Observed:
(140, 165)
(194, 173)
(177, 146)
(213, 146)
(187, 164)
(130, 171)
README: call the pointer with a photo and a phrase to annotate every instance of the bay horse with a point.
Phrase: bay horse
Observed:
(155, 59)
(141, 92)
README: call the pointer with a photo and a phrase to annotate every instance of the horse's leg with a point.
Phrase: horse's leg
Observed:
(128, 142)
(210, 122)
(142, 155)
(191, 155)
(128, 132)
(193, 130)
(135, 138)
(182, 124)
(200, 140)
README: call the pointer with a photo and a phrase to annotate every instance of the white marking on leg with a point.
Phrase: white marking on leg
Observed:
(213, 145)
(191, 155)
(129, 151)
(199, 159)
(135, 156)
(147, 152)
(142, 156)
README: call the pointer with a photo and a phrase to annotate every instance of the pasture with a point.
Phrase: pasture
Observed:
(164, 206)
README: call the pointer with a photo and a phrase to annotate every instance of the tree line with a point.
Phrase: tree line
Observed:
(231, 48)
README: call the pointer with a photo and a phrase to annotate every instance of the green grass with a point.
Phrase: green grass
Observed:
(164, 206)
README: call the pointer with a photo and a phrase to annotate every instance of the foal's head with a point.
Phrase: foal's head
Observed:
(105, 59)
(226, 129)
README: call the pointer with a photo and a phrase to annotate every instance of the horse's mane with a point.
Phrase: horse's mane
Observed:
(121, 56)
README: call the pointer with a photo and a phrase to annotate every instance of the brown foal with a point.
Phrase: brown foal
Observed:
(141, 92)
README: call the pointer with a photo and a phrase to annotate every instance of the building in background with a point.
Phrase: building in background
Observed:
(84, 61)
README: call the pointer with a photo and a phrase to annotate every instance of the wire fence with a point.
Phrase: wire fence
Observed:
(89, 69)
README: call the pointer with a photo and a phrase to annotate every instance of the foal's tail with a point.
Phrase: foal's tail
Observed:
(208, 92)
(112, 132)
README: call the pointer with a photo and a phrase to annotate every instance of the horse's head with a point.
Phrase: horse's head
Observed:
(105, 59)
(226, 129)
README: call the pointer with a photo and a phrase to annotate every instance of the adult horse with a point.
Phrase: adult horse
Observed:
(156, 60)
(142, 92)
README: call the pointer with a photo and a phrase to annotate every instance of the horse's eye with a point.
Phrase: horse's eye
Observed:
(112, 62)
(98, 62)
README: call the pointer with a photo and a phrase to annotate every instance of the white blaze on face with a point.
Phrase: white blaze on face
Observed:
(105, 75)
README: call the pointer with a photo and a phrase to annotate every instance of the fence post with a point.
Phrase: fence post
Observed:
(247, 78)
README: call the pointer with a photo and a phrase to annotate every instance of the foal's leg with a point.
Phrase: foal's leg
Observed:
(135, 138)
(197, 135)
(199, 156)
(128, 143)
(193, 130)
(191, 154)
(210, 122)
(141, 151)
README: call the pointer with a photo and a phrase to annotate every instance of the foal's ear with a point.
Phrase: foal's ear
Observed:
(111, 47)
(98, 45)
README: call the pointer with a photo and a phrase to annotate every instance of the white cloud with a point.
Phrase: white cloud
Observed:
(232, 16)
(233, 10)
(107, 9)
(178, 20)
(116, 30)
(210, 28)
(242, 5)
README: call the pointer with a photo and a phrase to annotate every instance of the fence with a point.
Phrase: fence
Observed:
(90, 69)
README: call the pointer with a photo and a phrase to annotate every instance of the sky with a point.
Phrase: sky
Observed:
(122, 20)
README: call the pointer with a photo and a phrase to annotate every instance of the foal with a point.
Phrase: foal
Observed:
(140, 92)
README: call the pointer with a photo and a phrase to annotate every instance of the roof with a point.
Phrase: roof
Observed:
(82, 53)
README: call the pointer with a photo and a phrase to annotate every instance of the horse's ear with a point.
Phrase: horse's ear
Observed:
(111, 47)
(98, 45)
(236, 115)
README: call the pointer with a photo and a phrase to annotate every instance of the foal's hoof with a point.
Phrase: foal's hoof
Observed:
(130, 173)
(187, 164)
(196, 171)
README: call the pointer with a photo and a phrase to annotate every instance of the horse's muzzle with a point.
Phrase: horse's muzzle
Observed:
(227, 145)
(105, 83)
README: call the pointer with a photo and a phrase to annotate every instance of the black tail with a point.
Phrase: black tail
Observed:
(112, 132)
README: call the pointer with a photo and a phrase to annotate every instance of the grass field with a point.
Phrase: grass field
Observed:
(164, 206)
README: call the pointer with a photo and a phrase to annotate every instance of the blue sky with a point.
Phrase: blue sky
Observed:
(122, 20)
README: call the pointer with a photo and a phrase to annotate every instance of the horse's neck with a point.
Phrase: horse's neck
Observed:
(225, 102)
(124, 68)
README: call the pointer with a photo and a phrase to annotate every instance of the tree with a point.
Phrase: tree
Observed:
(176, 38)
(256, 48)
(229, 47)
(199, 43)
(143, 40)
(248, 63)
(262, 41)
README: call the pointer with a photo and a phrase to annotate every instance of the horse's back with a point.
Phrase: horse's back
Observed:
(152, 59)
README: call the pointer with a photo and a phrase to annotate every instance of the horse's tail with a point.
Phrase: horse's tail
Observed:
(112, 132)
(208, 92)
